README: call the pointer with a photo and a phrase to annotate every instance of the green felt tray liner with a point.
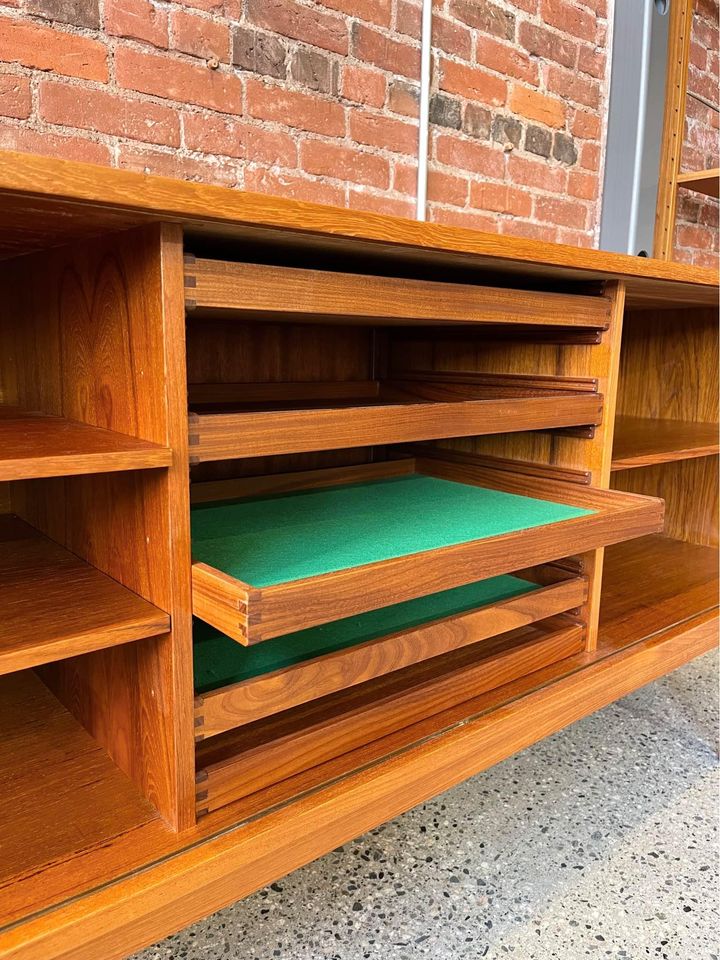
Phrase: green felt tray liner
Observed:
(220, 661)
(270, 540)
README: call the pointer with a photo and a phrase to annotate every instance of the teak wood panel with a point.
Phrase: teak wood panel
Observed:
(202, 394)
(669, 370)
(219, 352)
(643, 442)
(218, 436)
(679, 581)
(60, 788)
(250, 700)
(703, 181)
(251, 615)
(676, 77)
(95, 333)
(55, 605)
(223, 287)
(669, 366)
(34, 445)
(254, 757)
(44, 200)
(690, 491)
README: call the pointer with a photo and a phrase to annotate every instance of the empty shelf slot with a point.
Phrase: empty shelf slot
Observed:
(655, 584)
(36, 445)
(642, 442)
(57, 606)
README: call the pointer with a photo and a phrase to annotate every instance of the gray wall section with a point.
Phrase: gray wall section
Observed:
(637, 94)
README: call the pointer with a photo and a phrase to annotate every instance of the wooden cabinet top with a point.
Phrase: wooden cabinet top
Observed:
(44, 202)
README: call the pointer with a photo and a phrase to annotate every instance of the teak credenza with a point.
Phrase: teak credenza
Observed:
(430, 495)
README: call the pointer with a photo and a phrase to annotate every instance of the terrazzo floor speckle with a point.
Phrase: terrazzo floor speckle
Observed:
(598, 842)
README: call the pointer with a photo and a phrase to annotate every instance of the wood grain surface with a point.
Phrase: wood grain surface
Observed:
(244, 761)
(33, 445)
(240, 703)
(46, 199)
(56, 605)
(642, 441)
(225, 288)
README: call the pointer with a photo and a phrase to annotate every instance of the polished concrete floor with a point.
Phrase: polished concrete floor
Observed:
(598, 842)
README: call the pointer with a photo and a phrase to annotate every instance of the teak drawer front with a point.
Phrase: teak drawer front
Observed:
(216, 287)
(257, 756)
(234, 705)
(250, 614)
(220, 436)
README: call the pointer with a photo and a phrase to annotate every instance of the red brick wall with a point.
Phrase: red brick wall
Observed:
(319, 100)
(697, 234)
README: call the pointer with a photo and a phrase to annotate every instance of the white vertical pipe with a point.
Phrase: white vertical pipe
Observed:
(424, 122)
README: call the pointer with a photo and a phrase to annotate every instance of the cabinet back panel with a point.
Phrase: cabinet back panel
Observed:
(690, 491)
(669, 365)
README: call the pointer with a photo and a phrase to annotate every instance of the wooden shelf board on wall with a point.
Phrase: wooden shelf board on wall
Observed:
(642, 441)
(35, 445)
(703, 181)
(57, 606)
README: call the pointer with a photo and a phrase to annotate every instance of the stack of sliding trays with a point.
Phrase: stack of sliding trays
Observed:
(307, 516)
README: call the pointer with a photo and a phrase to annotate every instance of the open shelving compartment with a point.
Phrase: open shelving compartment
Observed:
(93, 700)
(666, 445)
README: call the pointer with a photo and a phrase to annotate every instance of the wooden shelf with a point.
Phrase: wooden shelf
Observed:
(642, 442)
(36, 445)
(63, 797)
(703, 181)
(427, 407)
(261, 292)
(266, 567)
(655, 584)
(57, 606)
(239, 685)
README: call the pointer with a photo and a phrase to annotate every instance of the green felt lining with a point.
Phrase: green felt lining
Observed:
(271, 540)
(220, 661)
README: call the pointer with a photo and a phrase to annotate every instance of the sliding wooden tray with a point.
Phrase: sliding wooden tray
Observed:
(266, 567)
(262, 292)
(238, 685)
(329, 416)
(244, 761)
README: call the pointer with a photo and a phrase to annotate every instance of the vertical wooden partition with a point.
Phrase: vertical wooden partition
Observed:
(95, 333)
